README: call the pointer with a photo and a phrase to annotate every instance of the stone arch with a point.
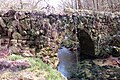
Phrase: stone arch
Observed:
(87, 46)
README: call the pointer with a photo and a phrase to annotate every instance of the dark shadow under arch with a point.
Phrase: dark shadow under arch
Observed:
(87, 46)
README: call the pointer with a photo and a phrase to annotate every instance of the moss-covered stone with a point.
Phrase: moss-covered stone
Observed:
(88, 70)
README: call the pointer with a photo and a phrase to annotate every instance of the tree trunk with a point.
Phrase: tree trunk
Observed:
(87, 4)
(94, 4)
(108, 4)
(75, 4)
(97, 3)
(21, 4)
(72, 4)
(79, 4)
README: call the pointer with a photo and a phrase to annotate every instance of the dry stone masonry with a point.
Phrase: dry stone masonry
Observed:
(97, 33)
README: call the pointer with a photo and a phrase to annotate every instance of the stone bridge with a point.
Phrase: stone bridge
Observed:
(95, 31)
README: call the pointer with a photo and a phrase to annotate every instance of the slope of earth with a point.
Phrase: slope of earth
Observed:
(36, 71)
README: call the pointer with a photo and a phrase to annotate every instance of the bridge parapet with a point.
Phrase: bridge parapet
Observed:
(95, 29)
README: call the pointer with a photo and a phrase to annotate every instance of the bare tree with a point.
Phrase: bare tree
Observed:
(94, 4)
(97, 5)
(79, 4)
(21, 4)
(87, 4)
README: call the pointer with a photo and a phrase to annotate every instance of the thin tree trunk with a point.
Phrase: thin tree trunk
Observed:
(79, 4)
(108, 4)
(93, 4)
(75, 4)
(118, 1)
(111, 5)
(97, 4)
(21, 4)
(102, 4)
(72, 4)
(36, 4)
(87, 4)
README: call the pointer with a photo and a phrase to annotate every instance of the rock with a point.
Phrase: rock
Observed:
(15, 50)
(10, 13)
(2, 24)
(115, 45)
(27, 52)
(14, 65)
(24, 25)
(4, 52)
(16, 35)
(88, 70)
(115, 41)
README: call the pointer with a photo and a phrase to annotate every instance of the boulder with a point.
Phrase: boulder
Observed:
(115, 45)
(2, 24)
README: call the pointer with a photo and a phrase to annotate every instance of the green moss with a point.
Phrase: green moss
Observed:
(38, 66)
(69, 43)
(15, 57)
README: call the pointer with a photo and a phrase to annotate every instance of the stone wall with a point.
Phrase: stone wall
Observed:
(38, 31)
(97, 33)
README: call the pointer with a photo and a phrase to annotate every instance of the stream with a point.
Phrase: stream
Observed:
(68, 62)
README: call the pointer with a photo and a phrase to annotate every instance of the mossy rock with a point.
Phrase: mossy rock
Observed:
(88, 70)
